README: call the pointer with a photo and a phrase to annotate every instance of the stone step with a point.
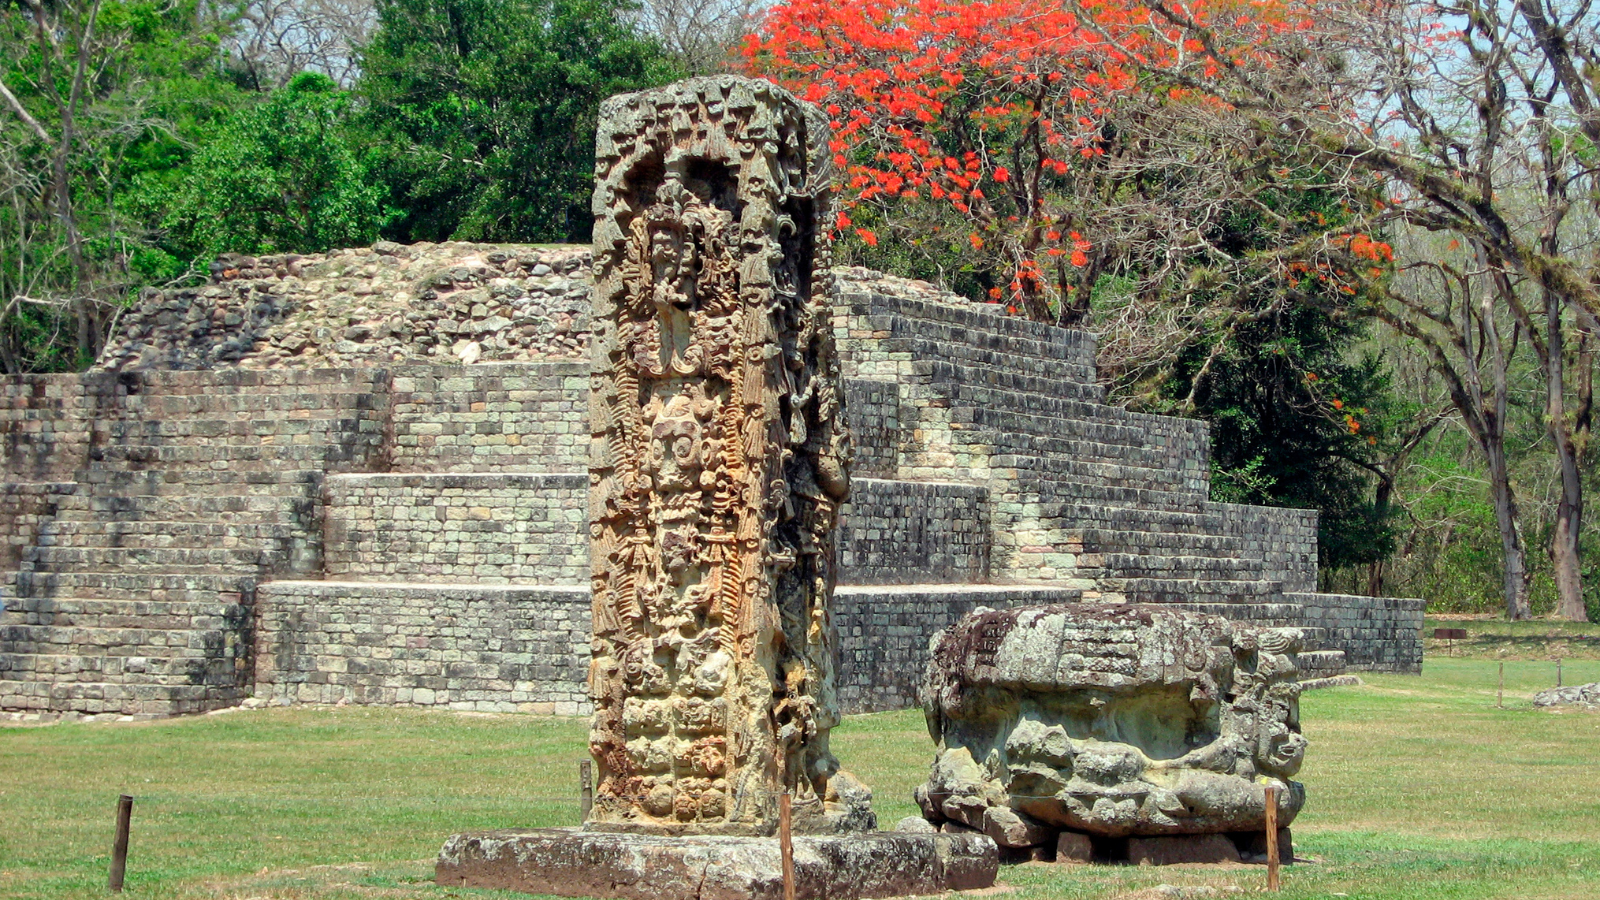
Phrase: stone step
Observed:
(165, 560)
(961, 361)
(1074, 518)
(1066, 448)
(226, 457)
(128, 585)
(333, 434)
(1087, 470)
(966, 318)
(1050, 493)
(93, 697)
(164, 643)
(1106, 540)
(223, 413)
(1208, 568)
(1196, 590)
(98, 532)
(1026, 414)
(973, 326)
(997, 376)
(290, 510)
(209, 612)
(1321, 663)
(201, 483)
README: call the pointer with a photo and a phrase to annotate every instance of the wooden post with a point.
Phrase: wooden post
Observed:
(786, 844)
(1558, 671)
(119, 848)
(585, 788)
(1272, 837)
(1500, 696)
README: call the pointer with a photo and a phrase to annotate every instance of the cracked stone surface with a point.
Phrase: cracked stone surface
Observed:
(1574, 695)
(719, 460)
(1110, 720)
(572, 863)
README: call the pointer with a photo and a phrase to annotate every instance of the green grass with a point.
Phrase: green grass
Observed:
(1419, 788)
(1491, 637)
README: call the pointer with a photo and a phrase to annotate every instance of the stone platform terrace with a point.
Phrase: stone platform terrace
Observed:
(291, 484)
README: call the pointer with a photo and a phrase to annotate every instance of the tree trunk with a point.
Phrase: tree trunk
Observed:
(1569, 508)
(1505, 514)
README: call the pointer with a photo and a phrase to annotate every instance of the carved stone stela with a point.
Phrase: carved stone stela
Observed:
(719, 459)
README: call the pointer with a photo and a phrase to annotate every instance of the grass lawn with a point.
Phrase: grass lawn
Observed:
(1419, 787)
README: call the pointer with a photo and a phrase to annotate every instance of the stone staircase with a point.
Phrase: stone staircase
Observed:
(138, 593)
(1111, 502)
(183, 540)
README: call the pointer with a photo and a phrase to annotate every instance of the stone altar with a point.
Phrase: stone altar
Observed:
(718, 461)
(1082, 726)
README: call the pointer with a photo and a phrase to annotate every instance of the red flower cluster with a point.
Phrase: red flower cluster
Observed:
(983, 105)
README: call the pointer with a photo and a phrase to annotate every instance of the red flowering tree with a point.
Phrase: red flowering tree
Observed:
(992, 114)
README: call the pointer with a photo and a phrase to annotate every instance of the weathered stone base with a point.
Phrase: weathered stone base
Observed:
(1176, 849)
(568, 862)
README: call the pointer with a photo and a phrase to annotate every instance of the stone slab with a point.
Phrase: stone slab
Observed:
(1182, 848)
(569, 862)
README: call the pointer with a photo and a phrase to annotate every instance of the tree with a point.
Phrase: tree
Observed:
(703, 36)
(1482, 121)
(92, 92)
(278, 39)
(484, 111)
(279, 176)
(1015, 150)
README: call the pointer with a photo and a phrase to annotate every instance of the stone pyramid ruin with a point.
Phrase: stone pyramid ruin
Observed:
(361, 477)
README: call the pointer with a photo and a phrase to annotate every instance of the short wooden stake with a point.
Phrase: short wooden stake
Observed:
(585, 788)
(786, 844)
(1558, 671)
(1500, 696)
(1272, 837)
(119, 847)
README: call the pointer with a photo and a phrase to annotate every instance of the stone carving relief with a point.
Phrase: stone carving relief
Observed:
(719, 459)
(1110, 721)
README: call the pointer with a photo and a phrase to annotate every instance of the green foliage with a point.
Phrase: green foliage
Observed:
(483, 112)
(1297, 419)
(149, 90)
(1276, 437)
(318, 803)
(281, 175)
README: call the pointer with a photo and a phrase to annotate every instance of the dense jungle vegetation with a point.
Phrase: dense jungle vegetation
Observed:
(1360, 239)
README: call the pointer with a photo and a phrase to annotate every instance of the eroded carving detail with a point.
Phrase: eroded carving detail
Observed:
(719, 459)
(1110, 720)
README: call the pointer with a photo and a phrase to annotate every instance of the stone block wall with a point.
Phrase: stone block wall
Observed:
(453, 302)
(913, 532)
(1376, 633)
(474, 647)
(488, 528)
(516, 648)
(45, 426)
(1285, 539)
(430, 492)
(884, 634)
(527, 417)
(24, 507)
(874, 411)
